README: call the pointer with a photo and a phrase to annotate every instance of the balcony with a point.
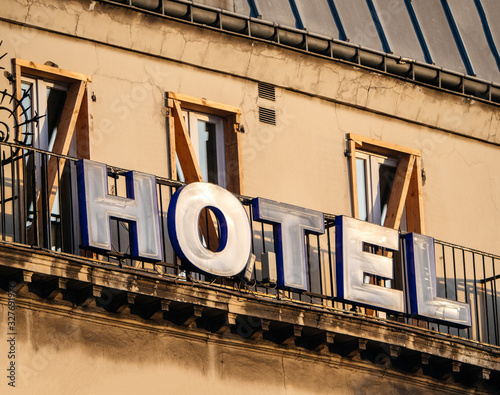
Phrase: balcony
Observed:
(40, 219)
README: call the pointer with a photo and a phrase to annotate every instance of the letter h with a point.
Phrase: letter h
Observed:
(139, 209)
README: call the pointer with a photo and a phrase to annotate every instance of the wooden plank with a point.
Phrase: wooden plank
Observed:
(415, 203)
(399, 191)
(232, 152)
(192, 173)
(198, 104)
(172, 147)
(353, 178)
(49, 72)
(65, 132)
(83, 127)
(18, 90)
(370, 144)
(184, 149)
(19, 166)
(231, 120)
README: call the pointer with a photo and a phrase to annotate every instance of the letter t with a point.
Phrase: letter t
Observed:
(291, 224)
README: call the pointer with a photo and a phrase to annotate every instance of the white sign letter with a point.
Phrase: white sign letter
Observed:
(235, 239)
(291, 224)
(422, 287)
(353, 263)
(139, 208)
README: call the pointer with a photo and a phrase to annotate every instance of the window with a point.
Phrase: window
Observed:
(204, 145)
(386, 183)
(46, 99)
(59, 100)
(204, 141)
(207, 137)
(386, 189)
(375, 176)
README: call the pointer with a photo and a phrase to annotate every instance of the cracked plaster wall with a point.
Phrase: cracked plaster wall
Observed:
(69, 350)
(134, 58)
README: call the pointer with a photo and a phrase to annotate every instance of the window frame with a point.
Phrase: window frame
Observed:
(180, 147)
(407, 186)
(193, 117)
(372, 162)
(76, 115)
(75, 122)
(39, 104)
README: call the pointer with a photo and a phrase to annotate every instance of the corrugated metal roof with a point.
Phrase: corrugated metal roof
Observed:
(459, 35)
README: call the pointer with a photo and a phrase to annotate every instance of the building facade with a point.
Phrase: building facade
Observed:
(384, 112)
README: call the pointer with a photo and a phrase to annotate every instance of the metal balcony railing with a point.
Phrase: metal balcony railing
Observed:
(26, 217)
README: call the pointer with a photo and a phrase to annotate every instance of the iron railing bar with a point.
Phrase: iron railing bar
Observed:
(71, 210)
(2, 192)
(495, 304)
(330, 263)
(47, 229)
(466, 289)
(162, 222)
(14, 196)
(455, 273)
(319, 265)
(34, 199)
(308, 254)
(478, 333)
(58, 192)
(486, 303)
(445, 280)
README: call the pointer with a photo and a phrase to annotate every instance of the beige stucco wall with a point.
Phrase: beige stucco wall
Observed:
(71, 350)
(134, 58)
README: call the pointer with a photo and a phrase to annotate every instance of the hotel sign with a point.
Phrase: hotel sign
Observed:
(290, 224)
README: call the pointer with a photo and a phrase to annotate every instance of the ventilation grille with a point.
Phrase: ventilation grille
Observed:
(267, 115)
(267, 91)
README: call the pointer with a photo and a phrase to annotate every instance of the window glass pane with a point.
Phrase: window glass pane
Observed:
(472, 33)
(398, 29)
(180, 174)
(317, 17)
(437, 34)
(27, 103)
(361, 183)
(358, 23)
(386, 179)
(55, 104)
(207, 141)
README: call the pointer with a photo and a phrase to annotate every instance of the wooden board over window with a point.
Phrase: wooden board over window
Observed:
(407, 185)
(75, 117)
(182, 148)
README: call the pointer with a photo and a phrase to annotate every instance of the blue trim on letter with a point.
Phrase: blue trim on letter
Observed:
(171, 225)
(339, 255)
(82, 203)
(278, 240)
(221, 218)
(410, 266)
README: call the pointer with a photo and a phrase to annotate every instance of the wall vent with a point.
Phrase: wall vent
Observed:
(267, 91)
(267, 115)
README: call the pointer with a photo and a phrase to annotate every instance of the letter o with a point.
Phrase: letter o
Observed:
(235, 234)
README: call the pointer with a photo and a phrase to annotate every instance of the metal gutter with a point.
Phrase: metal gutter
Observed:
(214, 18)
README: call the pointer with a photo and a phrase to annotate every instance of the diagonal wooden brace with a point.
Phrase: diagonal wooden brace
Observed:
(191, 169)
(65, 132)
